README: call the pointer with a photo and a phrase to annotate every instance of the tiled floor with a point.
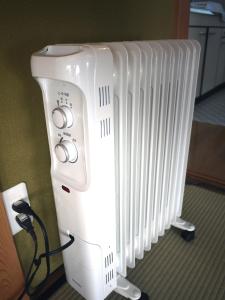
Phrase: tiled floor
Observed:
(212, 109)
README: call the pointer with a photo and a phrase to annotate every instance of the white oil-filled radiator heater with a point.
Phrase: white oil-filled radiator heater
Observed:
(119, 120)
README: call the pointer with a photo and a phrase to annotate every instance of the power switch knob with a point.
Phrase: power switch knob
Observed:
(66, 151)
(62, 117)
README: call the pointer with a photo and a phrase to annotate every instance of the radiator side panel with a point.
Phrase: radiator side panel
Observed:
(84, 190)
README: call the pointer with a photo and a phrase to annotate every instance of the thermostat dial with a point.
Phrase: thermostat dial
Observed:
(66, 151)
(62, 117)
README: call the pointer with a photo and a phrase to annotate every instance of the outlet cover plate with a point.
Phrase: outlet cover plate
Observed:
(17, 192)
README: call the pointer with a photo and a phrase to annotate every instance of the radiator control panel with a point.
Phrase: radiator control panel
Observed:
(65, 107)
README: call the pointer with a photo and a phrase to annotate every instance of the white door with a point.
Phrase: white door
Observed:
(199, 34)
(212, 52)
(220, 72)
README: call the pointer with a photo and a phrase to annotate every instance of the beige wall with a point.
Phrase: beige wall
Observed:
(26, 26)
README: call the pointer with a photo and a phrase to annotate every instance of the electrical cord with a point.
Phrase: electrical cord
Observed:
(45, 235)
(37, 262)
(56, 251)
(24, 220)
(22, 206)
(26, 289)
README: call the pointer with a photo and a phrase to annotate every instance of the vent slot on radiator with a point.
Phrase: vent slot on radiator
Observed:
(105, 129)
(108, 267)
(109, 276)
(108, 260)
(104, 96)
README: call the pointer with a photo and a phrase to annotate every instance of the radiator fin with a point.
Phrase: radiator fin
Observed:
(153, 105)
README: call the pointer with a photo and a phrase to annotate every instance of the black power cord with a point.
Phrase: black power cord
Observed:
(56, 251)
(37, 262)
(24, 220)
(22, 206)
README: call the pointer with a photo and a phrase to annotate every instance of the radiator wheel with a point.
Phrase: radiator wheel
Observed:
(188, 235)
(144, 296)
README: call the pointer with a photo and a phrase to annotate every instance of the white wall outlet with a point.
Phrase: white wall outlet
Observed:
(17, 192)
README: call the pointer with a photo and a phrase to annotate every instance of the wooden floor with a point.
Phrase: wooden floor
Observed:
(207, 153)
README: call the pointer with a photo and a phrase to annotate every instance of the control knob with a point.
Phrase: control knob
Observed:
(66, 151)
(62, 117)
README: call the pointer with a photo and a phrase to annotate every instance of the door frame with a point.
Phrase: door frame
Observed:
(181, 15)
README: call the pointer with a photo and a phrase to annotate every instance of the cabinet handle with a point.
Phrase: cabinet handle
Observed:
(211, 33)
(202, 33)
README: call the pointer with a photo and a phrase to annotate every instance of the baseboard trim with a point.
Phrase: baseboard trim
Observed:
(210, 93)
(204, 181)
(54, 282)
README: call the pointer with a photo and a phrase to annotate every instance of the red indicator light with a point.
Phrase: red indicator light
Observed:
(66, 189)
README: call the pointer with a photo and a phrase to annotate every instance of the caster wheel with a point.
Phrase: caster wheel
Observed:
(144, 296)
(188, 235)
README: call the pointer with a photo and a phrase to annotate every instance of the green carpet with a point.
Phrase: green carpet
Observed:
(178, 270)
